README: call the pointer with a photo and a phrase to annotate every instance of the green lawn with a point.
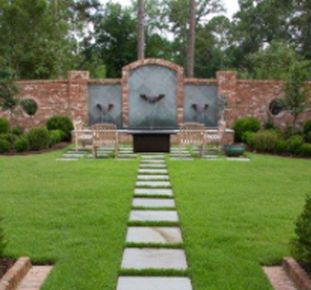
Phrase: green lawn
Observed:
(234, 216)
(73, 214)
(237, 216)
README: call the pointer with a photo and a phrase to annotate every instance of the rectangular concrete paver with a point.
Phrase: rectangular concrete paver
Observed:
(153, 184)
(152, 161)
(153, 177)
(35, 278)
(152, 166)
(134, 258)
(156, 235)
(153, 216)
(279, 279)
(154, 283)
(153, 171)
(153, 191)
(154, 202)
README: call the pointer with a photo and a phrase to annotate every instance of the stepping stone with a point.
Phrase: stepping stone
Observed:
(154, 283)
(73, 155)
(152, 171)
(153, 216)
(238, 159)
(67, 159)
(154, 202)
(148, 161)
(153, 177)
(153, 191)
(154, 259)
(182, 158)
(156, 235)
(152, 157)
(153, 184)
(152, 165)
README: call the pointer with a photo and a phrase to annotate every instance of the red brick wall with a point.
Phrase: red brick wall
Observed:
(69, 97)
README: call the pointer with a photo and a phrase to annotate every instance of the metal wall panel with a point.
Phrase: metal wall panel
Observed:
(152, 81)
(200, 104)
(108, 97)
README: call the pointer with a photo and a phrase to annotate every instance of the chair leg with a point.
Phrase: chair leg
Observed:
(94, 149)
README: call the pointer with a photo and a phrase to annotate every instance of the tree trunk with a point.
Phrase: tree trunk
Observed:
(191, 38)
(141, 30)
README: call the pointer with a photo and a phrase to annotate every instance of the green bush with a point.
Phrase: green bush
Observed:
(29, 106)
(307, 127)
(301, 246)
(242, 125)
(10, 138)
(294, 144)
(21, 144)
(4, 126)
(248, 138)
(61, 123)
(280, 146)
(2, 240)
(38, 138)
(265, 140)
(308, 137)
(306, 150)
(56, 136)
(17, 131)
(4, 146)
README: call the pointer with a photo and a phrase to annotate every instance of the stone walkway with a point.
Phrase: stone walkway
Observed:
(157, 248)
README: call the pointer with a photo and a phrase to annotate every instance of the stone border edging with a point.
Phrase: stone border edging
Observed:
(15, 274)
(296, 273)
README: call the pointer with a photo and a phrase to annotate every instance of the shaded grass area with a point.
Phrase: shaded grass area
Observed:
(236, 216)
(73, 214)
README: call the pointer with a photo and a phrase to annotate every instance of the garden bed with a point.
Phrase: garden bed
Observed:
(5, 265)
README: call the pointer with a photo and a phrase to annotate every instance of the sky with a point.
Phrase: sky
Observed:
(231, 5)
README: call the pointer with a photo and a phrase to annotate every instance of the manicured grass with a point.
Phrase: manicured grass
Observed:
(237, 216)
(73, 214)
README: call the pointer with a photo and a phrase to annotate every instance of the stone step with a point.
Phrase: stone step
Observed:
(73, 155)
(151, 161)
(152, 157)
(35, 278)
(139, 259)
(155, 235)
(154, 202)
(182, 158)
(153, 191)
(153, 216)
(153, 177)
(154, 283)
(157, 184)
(67, 159)
(152, 171)
(279, 278)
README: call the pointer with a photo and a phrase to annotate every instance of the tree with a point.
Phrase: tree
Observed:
(296, 92)
(191, 39)
(141, 30)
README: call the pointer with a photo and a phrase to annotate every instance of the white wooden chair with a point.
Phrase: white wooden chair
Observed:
(214, 138)
(80, 136)
(105, 134)
(192, 133)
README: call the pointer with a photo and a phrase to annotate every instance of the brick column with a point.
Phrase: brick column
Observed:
(227, 85)
(78, 95)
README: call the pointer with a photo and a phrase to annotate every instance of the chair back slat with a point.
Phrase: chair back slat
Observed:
(191, 133)
(104, 133)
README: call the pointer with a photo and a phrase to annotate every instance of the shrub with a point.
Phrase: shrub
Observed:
(269, 125)
(242, 125)
(301, 246)
(4, 146)
(294, 144)
(265, 140)
(10, 138)
(21, 144)
(306, 150)
(280, 146)
(308, 137)
(29, 106)
(4, 126)
(56, 136)
(38, 138)
(61, 123)
(248, 138)
(17, 131)
(307, 127)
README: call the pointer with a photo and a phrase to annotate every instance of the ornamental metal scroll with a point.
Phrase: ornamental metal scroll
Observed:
(152, 99)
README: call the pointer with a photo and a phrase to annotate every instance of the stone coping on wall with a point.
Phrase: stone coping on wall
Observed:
(105, 82)
(196, 81)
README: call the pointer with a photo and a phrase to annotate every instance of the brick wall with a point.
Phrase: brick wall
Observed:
(70, 97)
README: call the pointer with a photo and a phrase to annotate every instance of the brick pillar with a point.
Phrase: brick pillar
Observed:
(78, 95)
(227, 85)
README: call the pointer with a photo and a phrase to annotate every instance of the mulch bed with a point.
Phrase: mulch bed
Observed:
(5, 264)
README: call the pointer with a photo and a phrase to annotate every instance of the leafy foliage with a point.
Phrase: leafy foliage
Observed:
(4, 146)
(243, 125)
(30, 106)
(21, 144)
(4, 126)
(302, 243)
(38, 138)
(62, 123)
